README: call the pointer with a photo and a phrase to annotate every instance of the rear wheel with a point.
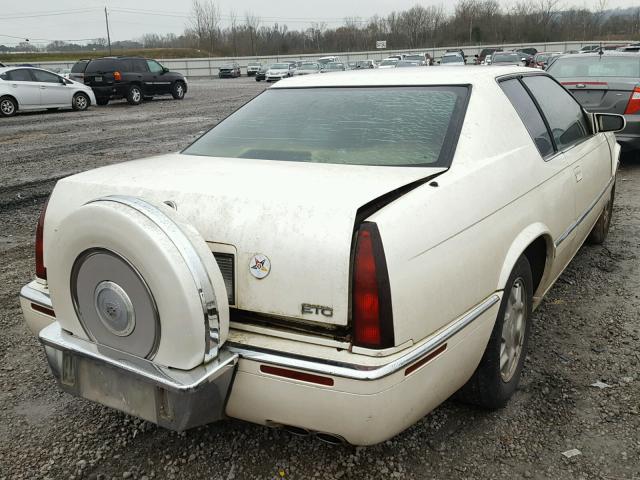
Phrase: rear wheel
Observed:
(134, 95)
(178, 90)
(496, 378)
(8, 107)
(102, 101)
(600, 230)
(80, 102)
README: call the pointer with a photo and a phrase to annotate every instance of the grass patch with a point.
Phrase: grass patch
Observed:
(160, 53)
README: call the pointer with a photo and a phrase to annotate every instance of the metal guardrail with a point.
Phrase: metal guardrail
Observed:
(208, 67)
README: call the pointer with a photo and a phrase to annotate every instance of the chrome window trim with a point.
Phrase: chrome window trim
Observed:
(192, 260)
(584, 215)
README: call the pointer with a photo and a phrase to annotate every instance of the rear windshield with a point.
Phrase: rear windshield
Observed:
(506, 57)
(79, 66)
(101, 65)
(386, 126)
(596, 66)
(452, 59)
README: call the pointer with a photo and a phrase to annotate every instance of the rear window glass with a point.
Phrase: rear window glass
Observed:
(79, 67)
(393, 126)
(101, 65)
(596, 66)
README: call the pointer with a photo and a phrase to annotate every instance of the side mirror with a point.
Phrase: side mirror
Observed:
(62, 80)
(165, 70)
(609, 122)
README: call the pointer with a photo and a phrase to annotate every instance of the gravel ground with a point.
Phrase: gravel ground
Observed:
(587, 330)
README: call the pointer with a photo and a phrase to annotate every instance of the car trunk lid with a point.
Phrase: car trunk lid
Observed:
(610, 95)
(299, 215)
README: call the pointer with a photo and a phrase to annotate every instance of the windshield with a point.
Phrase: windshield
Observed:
(280, 66)
(596, 66)
(389, 62)
(386, 126)
(253, 64)
(309, 66)
(101, 65)
(334, 66)
(326, 60)
(506, 57)
(414, 57)
(452, 59)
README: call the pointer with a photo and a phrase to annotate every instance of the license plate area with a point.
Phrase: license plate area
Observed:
(97, 79)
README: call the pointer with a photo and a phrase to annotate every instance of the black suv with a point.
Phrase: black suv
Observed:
(133, 78)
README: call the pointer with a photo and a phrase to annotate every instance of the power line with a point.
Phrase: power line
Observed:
(47, 14)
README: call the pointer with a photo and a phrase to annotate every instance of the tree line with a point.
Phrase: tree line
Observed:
(472, 22)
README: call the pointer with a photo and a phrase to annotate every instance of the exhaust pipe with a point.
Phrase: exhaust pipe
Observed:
(330, 438)
(298, 431)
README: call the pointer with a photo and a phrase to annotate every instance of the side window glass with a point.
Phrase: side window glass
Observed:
(529, 115)
(126, 66)
(45, 77)
(565, 116)
(154, 66)
(20, 75)
(140, 66)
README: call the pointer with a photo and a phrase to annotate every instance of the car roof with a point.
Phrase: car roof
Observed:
(441, 75)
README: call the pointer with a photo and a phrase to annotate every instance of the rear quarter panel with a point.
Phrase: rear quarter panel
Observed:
(448, 247)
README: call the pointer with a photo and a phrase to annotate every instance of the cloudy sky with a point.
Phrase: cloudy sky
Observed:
(45, 20)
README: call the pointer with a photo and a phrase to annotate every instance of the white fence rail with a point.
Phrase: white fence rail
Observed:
(208, 67)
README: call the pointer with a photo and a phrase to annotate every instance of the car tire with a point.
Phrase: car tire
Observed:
(80, 102)
(134, 95)
(600, 230)
(497, 376)
(178, 89)
(102, 101)
(8, 106)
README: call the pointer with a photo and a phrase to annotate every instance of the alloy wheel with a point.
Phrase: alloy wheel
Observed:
(7, 107)
(513, 330)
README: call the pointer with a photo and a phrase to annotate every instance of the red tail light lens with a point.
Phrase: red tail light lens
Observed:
(634, 102)
(41, 271)
(117, 76)
(371, 301)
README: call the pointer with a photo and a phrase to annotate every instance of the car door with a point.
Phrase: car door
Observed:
(587, 151)
(23, 86)
(160, 83)
(53, 90)
(557, 194)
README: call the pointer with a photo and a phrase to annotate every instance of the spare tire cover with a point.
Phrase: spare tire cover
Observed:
(133, 275)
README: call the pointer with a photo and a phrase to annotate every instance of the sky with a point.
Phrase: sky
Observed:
(42, 21)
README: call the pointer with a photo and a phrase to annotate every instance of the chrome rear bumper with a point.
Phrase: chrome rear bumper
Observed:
(174, 399)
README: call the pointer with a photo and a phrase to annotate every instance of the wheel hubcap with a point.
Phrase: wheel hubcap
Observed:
(513, 330)
(180, 91)
(136, 95)
(7, 107)
(81, 102)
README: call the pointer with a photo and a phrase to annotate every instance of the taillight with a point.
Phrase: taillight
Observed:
(371, 301)
(634, 102)
(117, 76)
(41, 271)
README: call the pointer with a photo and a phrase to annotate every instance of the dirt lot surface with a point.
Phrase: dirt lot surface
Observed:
(587, 330)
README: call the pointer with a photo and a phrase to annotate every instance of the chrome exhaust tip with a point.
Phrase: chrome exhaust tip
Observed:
(298, 431)
(330, 438)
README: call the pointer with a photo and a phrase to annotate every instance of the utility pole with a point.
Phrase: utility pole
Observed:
(106, 19)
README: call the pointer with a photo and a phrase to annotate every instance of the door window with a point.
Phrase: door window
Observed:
(154, 66)
(139, 66)
(46, 77)
(566, 118)
(529, 115)
(20, 75)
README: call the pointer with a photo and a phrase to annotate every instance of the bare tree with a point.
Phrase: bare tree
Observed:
(205, 21)
(253, 23)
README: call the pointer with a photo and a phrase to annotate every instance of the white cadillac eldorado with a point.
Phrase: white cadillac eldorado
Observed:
(337, 257)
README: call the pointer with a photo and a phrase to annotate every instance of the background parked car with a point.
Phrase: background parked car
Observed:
(334, 67)
(278, 71)
(606, 83)
(452, 59)
(388, 63)
(308, 68)
(589, 48)
(133, 78)
(229, 70)
(77, 70)
(541, 60)
(253, 68)
(408, 63)
(262, 73)
(365, 64)
(486, 52)
(420, 59)
(23, 89)
(507, 58)
(331, 59)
